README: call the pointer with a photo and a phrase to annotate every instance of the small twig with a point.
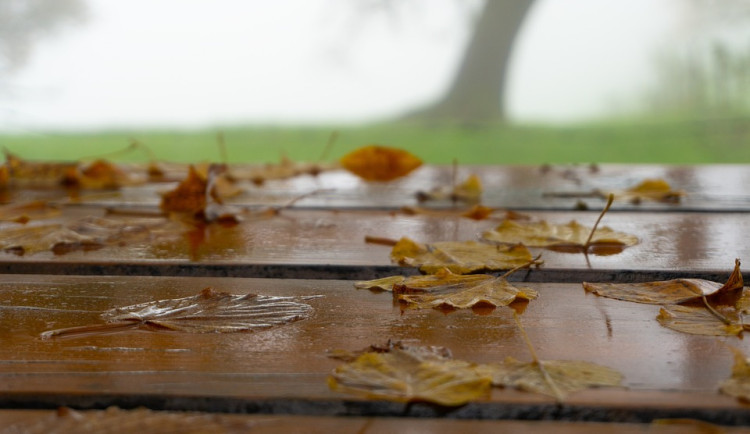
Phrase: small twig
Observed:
(547, 378)
(604, 211)
(535, 261)
(380, 240)
(329, 145)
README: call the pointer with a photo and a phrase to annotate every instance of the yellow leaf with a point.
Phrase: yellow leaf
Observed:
(459, 257)
(380, 163)
(697, 320)
(383, 284)
(452, 291)
(655, 189)
(543, 234)
(670, 291)
(403, 376)
(568, 376)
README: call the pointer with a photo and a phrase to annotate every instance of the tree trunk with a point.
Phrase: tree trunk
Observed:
(477, 92)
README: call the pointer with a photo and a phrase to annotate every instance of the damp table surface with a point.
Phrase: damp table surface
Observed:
(331, 244)
(93, 251)
(285, 368)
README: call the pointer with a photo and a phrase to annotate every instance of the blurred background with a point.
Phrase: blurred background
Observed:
(495, 81)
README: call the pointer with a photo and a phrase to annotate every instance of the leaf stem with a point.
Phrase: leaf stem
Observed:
(610, 199)
(91, 329)
(535, 261)
(380, 240)
(715, 312)
(559, 396)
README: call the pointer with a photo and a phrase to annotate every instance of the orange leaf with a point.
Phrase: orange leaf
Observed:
(380, 163)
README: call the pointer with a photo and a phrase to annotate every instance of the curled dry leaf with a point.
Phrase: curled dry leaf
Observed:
(738, 385)
(555, 378)
(698, 320)
(201, 195)
(543, 234)
(670, 291)
(100, 174)
(403, 375)
(468, 191)
(208, 312)
(459, 257)
(141, 420)
(380, 163)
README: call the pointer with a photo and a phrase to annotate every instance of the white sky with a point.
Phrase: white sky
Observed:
(193, 63)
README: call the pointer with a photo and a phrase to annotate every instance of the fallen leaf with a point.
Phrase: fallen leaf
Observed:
(566, 376)
(380, 163)
(25, 212)
(189, 196)
(98, 175)
(423, 352)
(543, 234)
(459, 257)
(453, 291)
(403, 376)
(654, 189)
(208, 312)
(671, 291)
(738, 385)
(470, 190)
(51, 237)
(698, 320)
(37, 173)
(382, 284)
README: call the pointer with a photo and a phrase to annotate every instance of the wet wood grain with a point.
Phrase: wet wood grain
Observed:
(331, 244)
(41, 421)
(284, 369)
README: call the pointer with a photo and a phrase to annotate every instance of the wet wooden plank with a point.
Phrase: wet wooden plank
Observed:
(331, 244)
(706, 187)
(284, 370)
(40, 421)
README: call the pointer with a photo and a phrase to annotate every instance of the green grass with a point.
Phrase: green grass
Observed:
(672, 142)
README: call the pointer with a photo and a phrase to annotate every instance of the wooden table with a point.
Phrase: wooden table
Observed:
(277, 377)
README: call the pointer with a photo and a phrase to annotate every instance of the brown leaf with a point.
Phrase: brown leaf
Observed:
(423, 352)
(100, 174)
(452, 291)
(738, 385)
(459, 257)
(697, 320)
(37, 173)
(405, 376)
(189, 196)
(208, 312)
(671, 291)
(543, 234)
(567, 376)
(380, 163)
